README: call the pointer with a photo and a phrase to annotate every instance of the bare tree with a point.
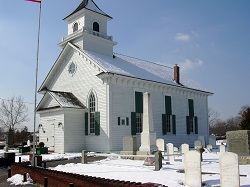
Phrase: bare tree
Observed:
(213, 117)
(244, 116)
(13, 112)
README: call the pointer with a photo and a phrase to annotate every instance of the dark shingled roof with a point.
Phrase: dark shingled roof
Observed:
(84, 4)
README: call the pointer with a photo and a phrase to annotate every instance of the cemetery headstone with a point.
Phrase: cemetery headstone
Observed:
(193, 169)
(84, 157)
(160, 144)
(184, 150)
(239, 142)
(170, 152)
(202, 139)
(209, 147)
(158, 160)
(197, 145)
(229, 170)
(212, 140)
(129, 143)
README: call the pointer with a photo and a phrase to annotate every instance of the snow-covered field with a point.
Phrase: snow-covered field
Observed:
(133, 170)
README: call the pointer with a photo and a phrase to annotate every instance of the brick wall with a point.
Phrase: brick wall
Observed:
(62, 179)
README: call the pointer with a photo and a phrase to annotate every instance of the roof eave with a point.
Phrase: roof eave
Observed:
(109, 74)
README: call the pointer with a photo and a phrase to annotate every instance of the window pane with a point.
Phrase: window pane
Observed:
(138, 122)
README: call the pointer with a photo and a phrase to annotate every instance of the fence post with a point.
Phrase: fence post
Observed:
(45, 181)
(25, 177)
(9, 173)
(20, 159)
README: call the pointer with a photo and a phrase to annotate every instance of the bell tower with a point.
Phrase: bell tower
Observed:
(87, 28)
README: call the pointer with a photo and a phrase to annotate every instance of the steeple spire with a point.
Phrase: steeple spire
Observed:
(90, 5)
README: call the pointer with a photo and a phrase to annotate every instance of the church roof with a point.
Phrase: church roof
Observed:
(66, 99)
(90, 5)
(127, 66)
(141, 69)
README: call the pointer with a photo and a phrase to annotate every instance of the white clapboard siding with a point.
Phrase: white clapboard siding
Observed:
(81, 84)
(50, 120)
(123, 104)
(73, 127)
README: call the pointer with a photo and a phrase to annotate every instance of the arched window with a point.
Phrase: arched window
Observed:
(96, 27)
(75, 27)
(92, 109)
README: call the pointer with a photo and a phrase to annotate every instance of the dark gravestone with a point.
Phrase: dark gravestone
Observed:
(158, 160)
(238, 142)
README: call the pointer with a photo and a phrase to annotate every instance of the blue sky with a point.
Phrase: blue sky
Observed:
(209, 40)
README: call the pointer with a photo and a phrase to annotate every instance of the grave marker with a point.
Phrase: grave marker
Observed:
(229, 170)
(202, 139)
(192, 169)
(184, 150)
(170, 152)
(160, 144)
(212, 140)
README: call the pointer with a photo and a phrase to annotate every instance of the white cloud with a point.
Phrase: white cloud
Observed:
(182, 37)
(188, 64)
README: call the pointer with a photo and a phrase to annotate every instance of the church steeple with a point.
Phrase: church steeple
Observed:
(87, 28)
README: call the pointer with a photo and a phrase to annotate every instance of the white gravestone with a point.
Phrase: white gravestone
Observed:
(160, 144)
(212, 140)
(192, 169)
(222, 149)
(129, 143)
(202, 139)
(209, 147)
(170, 152)
(197, 144)
(148, 136)
(229, 170)
(184, 150)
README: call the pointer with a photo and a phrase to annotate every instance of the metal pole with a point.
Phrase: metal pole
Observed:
(37, 55)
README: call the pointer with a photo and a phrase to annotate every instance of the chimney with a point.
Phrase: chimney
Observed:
(177, 74)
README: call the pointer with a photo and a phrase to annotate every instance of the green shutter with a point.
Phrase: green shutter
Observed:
(97, 123)
(164, 126)
(188, 124)
(119, 121)
(138, 102)
(168, 105)
(86, 123)
(127, 121)
(191, 107)
(196, 124)
(133, 123)
(174, 124)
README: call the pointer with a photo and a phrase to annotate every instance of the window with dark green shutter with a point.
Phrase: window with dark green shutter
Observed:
(119, 121)
(139, 111)
(196, 124)
(164, 127)
(168, 119)
(174, 124)
(133, 123)
(86, 123)
(168, 105)
(97, 123)
(138, 102)
(191, 107)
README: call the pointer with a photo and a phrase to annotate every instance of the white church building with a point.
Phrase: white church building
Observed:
(93, 97)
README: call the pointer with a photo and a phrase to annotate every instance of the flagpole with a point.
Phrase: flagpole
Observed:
(37, 58)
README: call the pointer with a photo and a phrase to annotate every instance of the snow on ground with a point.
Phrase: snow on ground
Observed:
(18, 180)
(114, 167)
